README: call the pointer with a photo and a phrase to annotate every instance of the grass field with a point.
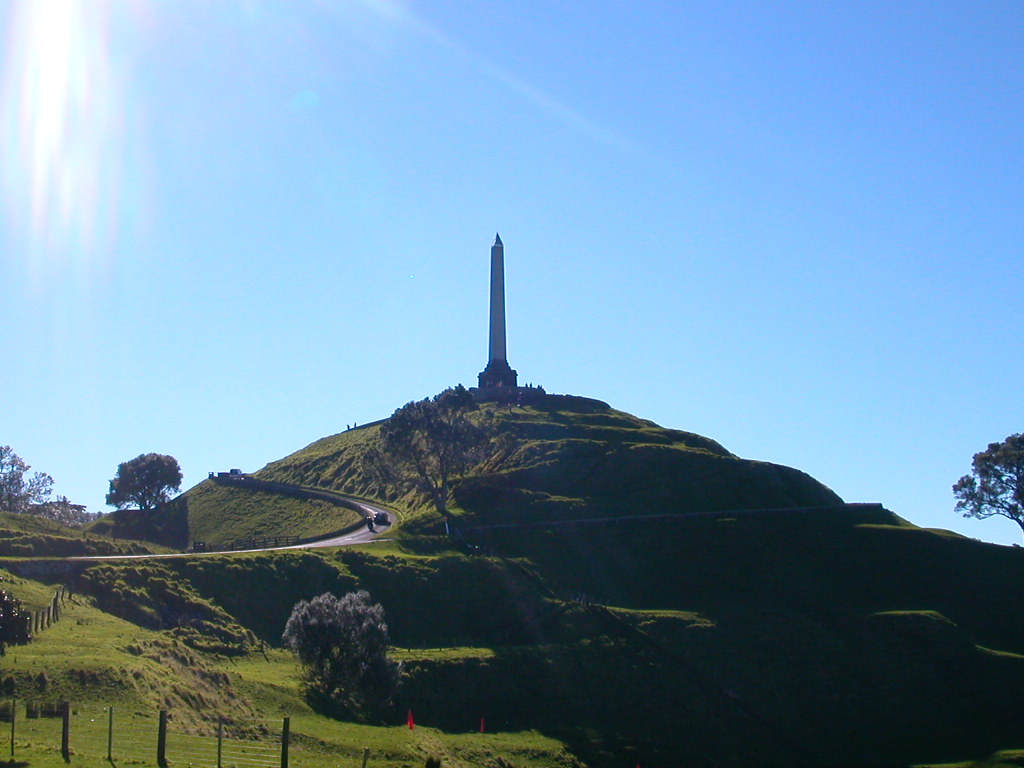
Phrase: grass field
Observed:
(117, 664)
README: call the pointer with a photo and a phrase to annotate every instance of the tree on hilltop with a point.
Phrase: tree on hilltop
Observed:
(995, 486)
(428, 443)
(17, 490)
(145, 482)
(64, 512)
(343, 646)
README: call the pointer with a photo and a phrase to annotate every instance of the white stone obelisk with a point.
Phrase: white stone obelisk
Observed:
(496, 347)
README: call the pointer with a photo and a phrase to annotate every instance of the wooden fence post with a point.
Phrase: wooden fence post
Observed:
(285, 734)
(14, 716)
(161, 740)
(65, 736)
(220, 741)
(110, 734)
(366, 755)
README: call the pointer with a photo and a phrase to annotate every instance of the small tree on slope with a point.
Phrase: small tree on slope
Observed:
(996, 484)
(343, 644)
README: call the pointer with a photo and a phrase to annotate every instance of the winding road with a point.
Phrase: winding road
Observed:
(354, 535)
(360, 534)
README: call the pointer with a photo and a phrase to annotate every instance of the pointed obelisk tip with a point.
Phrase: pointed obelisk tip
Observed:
(497, 240)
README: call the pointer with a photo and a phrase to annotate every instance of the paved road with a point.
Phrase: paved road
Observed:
(361, 536)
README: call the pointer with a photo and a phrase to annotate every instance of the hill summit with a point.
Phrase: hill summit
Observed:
(563, 457)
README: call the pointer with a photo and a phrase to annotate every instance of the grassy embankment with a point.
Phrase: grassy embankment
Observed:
(139, 670)
(219, 513)
(32, 536)
(719, 679)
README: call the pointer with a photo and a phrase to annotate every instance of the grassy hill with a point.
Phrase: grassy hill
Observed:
(572, 457)
(712, 611)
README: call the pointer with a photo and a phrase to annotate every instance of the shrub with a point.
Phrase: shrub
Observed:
(13, 621)
(343, 644)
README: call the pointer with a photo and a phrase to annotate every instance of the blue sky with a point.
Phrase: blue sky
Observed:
(231, 228)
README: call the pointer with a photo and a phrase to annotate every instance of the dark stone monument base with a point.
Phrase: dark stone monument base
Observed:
(498, 373)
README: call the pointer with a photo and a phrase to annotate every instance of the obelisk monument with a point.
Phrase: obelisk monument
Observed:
(498, 373)
(496, 347)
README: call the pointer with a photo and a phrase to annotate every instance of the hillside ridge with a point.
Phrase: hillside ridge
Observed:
(566, 456)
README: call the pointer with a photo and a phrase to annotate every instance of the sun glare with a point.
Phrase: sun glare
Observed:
(62, 120)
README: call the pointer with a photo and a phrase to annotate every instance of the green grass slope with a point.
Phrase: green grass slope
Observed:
(219, 513)
(572, 457)
(824, 563)
(31, 536)
(815, 666)
(139, 670)
(222, 512)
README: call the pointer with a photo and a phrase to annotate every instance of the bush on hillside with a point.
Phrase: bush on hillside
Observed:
(13, 624)
(343, 644)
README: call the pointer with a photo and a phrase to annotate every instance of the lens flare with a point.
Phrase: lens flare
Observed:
(62, 118)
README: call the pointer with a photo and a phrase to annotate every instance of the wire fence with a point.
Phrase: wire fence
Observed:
(217, 744)
(112, 734)
(28, 727)
(92, 732)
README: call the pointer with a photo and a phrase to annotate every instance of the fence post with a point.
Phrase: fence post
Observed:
(14, 716)
(65, 736)
(110, 734)
(285, 733)
(366, 755)
(220, 740)
(161, 740)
